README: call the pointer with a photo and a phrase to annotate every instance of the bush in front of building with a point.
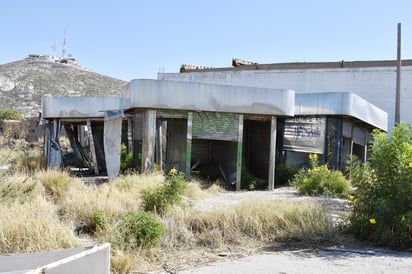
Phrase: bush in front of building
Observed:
(159, 199)
(126, 159)
(382, 201)
(320, 180)
(140, 229)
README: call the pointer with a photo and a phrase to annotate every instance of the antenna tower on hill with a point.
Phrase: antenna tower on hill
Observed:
(64, 46)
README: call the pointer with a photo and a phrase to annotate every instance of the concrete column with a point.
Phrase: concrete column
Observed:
(272, 154)
(112, 141)
(129, 134)
(239, 153)
(149, 141)
(189, 143)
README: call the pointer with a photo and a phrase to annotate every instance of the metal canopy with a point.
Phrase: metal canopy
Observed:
(340, 103)
(161, 94)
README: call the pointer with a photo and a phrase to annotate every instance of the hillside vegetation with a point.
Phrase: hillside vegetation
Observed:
(23, 83)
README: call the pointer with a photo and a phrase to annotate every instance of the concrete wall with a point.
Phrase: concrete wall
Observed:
(375, 84)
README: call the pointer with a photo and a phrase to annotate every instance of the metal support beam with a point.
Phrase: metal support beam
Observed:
(272, 154)
(189, 143)
(398, 79)
(92, 147)
(149, 141)
(239, 154)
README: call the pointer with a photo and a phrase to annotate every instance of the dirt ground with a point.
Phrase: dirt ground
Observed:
(331, 260)
(293, 259)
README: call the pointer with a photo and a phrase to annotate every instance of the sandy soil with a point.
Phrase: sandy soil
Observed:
(299, 260)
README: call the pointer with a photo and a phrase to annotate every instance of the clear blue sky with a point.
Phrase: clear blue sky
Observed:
(137, 39)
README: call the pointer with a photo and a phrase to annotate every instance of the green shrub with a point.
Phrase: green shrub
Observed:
(284, 174)
(140, 229)
(169, 193)
(248, 180)
(126, 159)
(319, 180)
(382, 202)
(10, 114)
(99, 221)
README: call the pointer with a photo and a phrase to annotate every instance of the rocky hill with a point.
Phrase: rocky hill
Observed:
(23, 83)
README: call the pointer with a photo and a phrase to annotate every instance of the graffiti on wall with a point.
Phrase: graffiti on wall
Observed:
(215, 126)
(305, 134)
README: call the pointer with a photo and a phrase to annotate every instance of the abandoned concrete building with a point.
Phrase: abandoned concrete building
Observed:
(211, 130)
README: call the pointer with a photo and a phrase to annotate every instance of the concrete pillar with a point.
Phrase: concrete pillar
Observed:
(272, 154)
(189, 143)
(159, 145)
(149, 141)
(239, 153)
(129, 134)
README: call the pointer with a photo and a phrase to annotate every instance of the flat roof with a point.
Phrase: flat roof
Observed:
(162, 94)
(78, 106)
(341, 103)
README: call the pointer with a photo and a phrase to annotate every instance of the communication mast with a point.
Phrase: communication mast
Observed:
(64, 46)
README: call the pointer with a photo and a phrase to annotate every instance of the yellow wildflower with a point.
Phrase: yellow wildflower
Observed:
(173, 171)
(351, 197)
(372, 221)
(410, 164)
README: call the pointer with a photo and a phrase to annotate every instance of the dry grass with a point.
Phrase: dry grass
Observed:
(80, 202)
(194, 237)
(40, 210)
(263, 222)
(29, 222)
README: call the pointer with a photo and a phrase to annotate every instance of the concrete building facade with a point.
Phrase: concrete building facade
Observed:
(217, 130)
(374, 81)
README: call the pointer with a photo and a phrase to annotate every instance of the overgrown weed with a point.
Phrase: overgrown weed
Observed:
(44, 209)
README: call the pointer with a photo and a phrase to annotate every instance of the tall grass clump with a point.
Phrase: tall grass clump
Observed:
(382, 202)
(28, 161)
(55, 182)
(18, 187)
(319, 180)
(28, 221)
(96, 208)
(32, 227)
(249, 223)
